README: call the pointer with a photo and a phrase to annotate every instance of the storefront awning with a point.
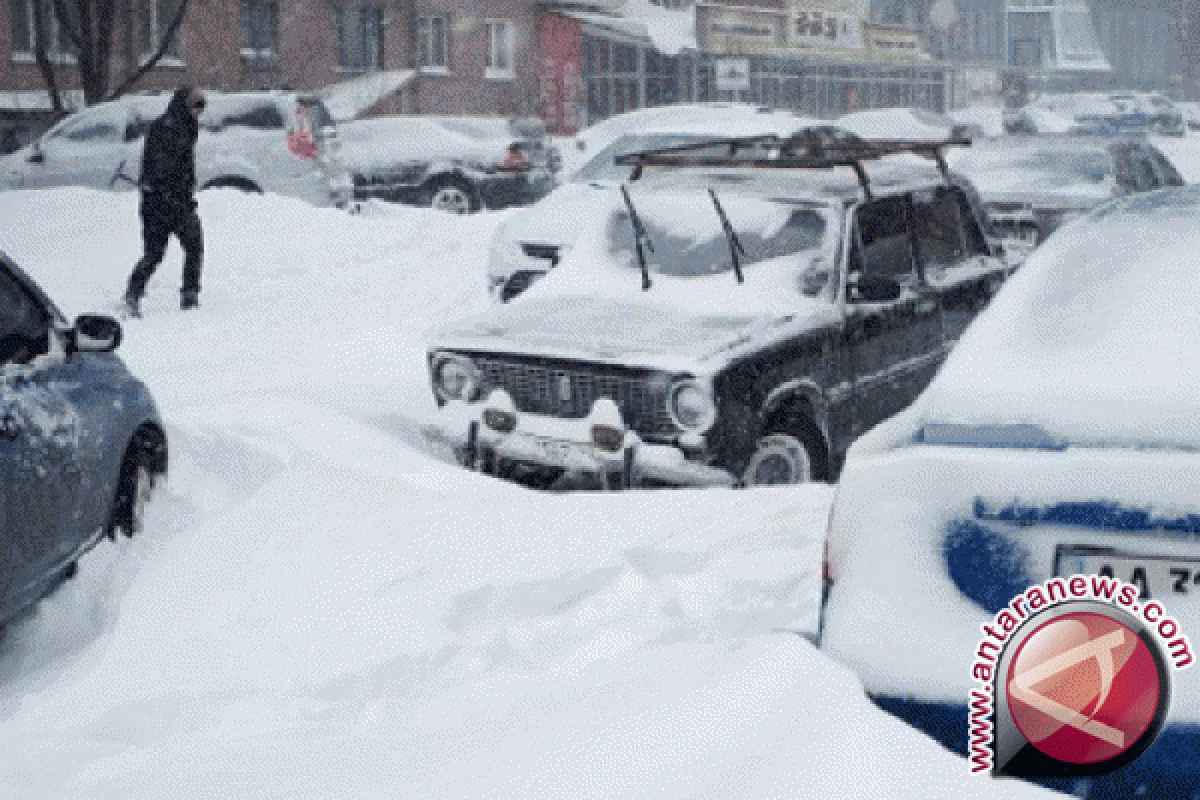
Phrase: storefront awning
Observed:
(666, 30)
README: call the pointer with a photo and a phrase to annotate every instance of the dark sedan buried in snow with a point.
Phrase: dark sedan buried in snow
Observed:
(81, 442)
(740, 330)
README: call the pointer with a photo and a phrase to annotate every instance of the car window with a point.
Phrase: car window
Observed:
(1145, 178)
(1168, 175)
(261, 116)
(882, 244)
(24, 323)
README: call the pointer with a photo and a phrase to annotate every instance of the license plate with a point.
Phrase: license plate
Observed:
(563, 453)
(1154, 576)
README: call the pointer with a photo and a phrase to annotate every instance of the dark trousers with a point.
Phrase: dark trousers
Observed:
(162, 216)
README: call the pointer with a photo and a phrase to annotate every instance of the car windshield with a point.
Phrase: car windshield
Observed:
(1055, 167)
(601, 167)
(688, 240)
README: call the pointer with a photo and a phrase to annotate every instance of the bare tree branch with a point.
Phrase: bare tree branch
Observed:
(43, 60)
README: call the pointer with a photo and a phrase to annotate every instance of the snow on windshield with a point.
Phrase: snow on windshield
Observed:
(689, 241)
(1095, 337)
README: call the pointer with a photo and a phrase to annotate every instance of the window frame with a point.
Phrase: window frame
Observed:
(255, 56)
(358, 25)
(59, 49)
(428, 42)
(492, 69)
(172, 56)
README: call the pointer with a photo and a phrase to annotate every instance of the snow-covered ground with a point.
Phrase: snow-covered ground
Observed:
(322, 607)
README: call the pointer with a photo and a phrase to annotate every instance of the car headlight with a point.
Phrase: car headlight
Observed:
(692, 406)
(454, 377)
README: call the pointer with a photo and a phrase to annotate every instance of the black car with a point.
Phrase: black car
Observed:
(456, 164)
(81, 442)
(740, 330)
(1032, 185)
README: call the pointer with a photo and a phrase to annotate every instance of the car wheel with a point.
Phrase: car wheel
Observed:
(137, 481)
(451, 196)
(233, 182)
(779, 459)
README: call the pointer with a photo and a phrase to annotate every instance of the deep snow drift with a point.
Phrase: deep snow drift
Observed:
(321, 607)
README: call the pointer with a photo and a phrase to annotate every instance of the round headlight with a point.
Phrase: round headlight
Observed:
(692, 407)
(455, 378)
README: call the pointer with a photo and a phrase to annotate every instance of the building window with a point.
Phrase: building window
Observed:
(153, 19)
(58, 45)
(360, 36)
(499, 56)
(433, 46)
(260, 26)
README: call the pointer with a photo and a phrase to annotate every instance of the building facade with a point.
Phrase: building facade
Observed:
(458, 56)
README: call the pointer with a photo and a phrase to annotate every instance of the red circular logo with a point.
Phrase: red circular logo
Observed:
(1084, 688)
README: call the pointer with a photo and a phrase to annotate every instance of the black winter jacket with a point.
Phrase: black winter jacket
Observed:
(169, 157)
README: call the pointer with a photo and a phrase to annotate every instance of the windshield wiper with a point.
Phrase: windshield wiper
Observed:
(640, 238)
(735, 244)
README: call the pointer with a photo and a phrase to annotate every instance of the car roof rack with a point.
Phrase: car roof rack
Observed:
(804, 150)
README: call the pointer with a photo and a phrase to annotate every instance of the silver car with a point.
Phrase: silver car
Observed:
(279, 142)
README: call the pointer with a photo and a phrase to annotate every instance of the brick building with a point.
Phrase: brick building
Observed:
(452, 56)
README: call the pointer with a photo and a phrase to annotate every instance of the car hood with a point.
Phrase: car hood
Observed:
(615, 330)
(559, 217)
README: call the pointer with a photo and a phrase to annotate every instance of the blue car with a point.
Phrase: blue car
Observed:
(1060, 438)
(81, 442)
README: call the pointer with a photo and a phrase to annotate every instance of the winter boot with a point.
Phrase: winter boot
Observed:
(132, 306)
(189, 299)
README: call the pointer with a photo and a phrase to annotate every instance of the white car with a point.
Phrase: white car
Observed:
(279, 142)
(532, 241)
(1060, 437)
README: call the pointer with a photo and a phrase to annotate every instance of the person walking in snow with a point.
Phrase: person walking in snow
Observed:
(167, 205)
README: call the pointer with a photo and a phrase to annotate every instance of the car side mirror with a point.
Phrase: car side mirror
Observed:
(875, 289)
(94, 333)
(36, 156)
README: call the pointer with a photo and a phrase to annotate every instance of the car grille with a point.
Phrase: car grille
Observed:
(547, 252)
(566, 392)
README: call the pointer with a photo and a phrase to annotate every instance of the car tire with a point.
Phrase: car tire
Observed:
(233, 182)
(137, 480)
(451, 195)
(786, 457)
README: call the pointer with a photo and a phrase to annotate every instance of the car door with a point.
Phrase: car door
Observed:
(955, 259)
(40, 443)
(84, 150)
(892, 327)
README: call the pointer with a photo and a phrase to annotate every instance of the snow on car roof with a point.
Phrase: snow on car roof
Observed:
(1094, 340)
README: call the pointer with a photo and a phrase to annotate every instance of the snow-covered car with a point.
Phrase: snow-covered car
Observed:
(1060, 437)
(532, 241)
(1033, 184)
(269, 141)
(736, 323)
(81, 442)
(907, 123)
(456, 164)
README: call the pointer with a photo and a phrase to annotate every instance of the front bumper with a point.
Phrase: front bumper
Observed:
(1168, 770)
(542, 441)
